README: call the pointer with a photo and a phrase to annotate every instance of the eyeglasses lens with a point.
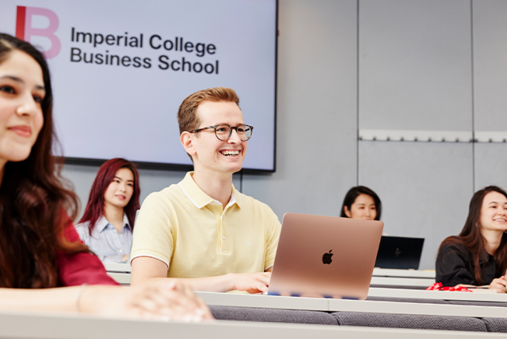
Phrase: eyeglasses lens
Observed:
(223, 132)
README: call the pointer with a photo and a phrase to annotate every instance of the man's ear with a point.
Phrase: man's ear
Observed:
(187, 143)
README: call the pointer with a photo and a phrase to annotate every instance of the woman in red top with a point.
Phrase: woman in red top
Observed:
(39, 247)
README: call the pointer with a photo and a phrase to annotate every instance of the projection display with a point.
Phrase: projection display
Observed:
(120, 70)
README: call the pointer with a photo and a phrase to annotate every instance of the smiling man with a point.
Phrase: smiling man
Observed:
(203, 230)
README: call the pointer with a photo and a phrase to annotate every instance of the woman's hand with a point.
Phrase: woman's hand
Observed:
(163, 300)
(499, 284)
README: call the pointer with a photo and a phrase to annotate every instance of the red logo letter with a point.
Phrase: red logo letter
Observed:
(25, 31)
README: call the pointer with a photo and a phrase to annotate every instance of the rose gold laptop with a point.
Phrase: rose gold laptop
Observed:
(323, 256)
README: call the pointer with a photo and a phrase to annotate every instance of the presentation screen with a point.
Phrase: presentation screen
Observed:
(121, 68)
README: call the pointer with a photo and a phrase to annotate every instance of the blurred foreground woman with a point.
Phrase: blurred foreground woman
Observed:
(40, 251)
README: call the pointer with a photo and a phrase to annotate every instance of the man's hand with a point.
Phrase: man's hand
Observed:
(145, 269)
(250, 282)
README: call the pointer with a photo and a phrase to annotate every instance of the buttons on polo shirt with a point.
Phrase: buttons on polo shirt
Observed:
(223, 237)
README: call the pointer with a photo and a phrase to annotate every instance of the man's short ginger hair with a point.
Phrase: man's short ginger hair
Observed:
(188, 120)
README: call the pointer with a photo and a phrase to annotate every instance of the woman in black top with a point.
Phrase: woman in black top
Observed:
(478, 256)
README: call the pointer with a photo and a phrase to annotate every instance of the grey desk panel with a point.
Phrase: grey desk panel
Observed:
(365, 306)
(264, 301)
(386, 272)
(117, 267)
(437, 295)
(397, 281)
(120, 278)
(81, 327)
(124, 279)
(232, 299)
(431, 322)
(380, 272)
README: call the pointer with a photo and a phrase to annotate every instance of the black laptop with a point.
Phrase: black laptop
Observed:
(399, 252)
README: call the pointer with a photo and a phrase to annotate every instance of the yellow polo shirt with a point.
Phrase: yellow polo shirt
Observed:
(196, 237)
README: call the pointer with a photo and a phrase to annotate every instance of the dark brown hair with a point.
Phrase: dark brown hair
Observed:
(471, 236)
(35, 207)
(95, 207)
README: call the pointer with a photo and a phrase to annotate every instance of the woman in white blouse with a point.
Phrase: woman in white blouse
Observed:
(108, 220)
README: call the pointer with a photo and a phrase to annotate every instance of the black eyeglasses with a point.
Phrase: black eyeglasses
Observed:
(223, 131)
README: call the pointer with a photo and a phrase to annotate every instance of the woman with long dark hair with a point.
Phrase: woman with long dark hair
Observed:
(39, 247)
(108, 220)
(478, 256)
(360, 202)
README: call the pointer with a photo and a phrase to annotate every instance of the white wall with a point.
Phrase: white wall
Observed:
(385, 65)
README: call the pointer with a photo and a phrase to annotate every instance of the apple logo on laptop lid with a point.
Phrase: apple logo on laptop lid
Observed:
(326, 258)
